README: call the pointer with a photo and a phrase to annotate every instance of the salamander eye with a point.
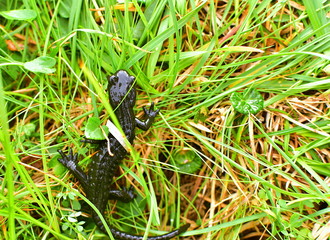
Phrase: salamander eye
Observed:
(113, 79)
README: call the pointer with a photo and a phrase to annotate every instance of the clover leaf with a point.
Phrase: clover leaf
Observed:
(188, 161)
(248, 101)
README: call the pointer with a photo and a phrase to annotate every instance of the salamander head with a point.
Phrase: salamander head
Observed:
(121, 89)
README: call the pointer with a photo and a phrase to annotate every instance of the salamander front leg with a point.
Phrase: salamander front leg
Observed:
(151, 114)
(71, 162)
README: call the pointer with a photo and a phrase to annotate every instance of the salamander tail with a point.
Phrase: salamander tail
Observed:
(126, 236)
(117, 234)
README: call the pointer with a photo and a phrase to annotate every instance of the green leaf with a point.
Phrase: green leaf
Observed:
(72, 195)
(66, 203)
(41, 65)
(188, 161)
(93, 129)
(76, 205)
(75, 214)
(294, 220)
(303, 234)
(262, 194)
(65, 226)
(249, 101)
(71, 219)
(80, 228)
(23, 14)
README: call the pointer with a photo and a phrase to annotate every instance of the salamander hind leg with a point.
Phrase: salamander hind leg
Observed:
(69, 160)
(123, 195)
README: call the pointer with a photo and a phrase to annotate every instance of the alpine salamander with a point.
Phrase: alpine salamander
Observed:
(96, 183)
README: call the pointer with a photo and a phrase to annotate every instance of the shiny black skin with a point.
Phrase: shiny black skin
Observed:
(96, 183)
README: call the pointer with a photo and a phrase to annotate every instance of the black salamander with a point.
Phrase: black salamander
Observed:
(96, 183)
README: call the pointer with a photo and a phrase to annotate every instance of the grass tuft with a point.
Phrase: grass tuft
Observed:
(263, 175)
